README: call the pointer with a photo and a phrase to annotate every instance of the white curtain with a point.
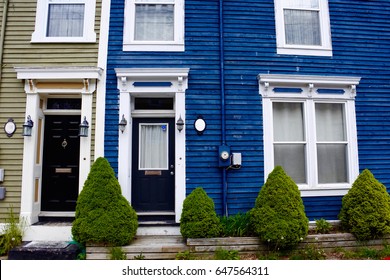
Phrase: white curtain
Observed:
(65, 20)
(154, 22)
(302, 27)
(153, 144)
(289, 135)
(332, 149)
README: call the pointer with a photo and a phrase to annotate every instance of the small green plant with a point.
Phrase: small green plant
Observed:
(186, 255)
(12, 234)
(310, 252)
(237, 225)
(322, 226)
(365, 210)
(278, 217)
(117, 253)
(222, 254)
(139, 257)
(198, 218)
(82, 255)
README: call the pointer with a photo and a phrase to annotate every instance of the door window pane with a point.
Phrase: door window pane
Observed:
(65, 20)
(153, 142)
(154, 22)
(292, 158)
(330, 122)
(332, 163)
(288, 121)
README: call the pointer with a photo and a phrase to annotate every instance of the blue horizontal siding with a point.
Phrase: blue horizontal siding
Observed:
(360, 39)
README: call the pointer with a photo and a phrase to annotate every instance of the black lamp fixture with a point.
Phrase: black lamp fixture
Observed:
(180, 124)
(122, 124)
(83, 132)
(200, 125)
(27, 126)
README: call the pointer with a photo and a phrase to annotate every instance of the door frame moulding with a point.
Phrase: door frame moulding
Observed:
(40, 82)
(136, 82)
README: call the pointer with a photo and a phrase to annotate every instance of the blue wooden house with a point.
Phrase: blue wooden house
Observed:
(216, 93)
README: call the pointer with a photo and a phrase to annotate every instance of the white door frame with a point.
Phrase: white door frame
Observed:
(173, 83)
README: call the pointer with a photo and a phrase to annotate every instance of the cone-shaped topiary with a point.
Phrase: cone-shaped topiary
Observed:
(199, 219)
(365, 210)
(103, 215)
(278, 217)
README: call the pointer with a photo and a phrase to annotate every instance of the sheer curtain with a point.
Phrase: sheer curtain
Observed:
(65, 20)
(302, 22)
(153, 146)
(331, 143)
(289, 139)
(154, 22)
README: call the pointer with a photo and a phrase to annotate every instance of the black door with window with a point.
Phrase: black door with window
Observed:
(60, 178)
(153, 180)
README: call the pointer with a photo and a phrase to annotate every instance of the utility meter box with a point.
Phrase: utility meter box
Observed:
(2, 192)
(236, 160)
(1, 175)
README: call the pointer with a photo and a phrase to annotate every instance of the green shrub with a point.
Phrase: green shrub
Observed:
(278, 217)
(117, 253)
(198, 218)
(103, 215)
(12, 233)
(236, 225)
(185, 256)
(222, 254)
(365, 210)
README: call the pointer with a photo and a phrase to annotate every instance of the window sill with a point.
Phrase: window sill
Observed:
(153, 47)
(315, 192)
(304, 51)
(42, 39)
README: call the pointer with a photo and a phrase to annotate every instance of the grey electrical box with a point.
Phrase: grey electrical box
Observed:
(236, 159)
(2, 192)
(1, 175)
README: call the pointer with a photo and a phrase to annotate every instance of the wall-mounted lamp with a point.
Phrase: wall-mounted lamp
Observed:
(200, 125)
(180, 124)
(83, 132)
(122, 124)
(27, 126)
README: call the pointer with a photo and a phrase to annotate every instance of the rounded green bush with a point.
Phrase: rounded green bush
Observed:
(198, 218)
(278, 217)
(103, 214)
(365, 210)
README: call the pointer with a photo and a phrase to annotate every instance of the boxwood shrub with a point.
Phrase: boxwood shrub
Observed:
(278, 217)
(103, 215)
(365, 210)
(198, 218)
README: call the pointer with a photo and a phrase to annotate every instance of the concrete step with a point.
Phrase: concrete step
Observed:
(39, 250)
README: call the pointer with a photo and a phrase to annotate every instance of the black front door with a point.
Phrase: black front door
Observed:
(60, 178)
(153, 180)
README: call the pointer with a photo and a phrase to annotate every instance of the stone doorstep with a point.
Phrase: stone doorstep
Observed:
(42, 250)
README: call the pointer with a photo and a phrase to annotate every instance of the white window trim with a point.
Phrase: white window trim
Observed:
(129, 44)
(282, 48)
(309, 86)
(39, 35)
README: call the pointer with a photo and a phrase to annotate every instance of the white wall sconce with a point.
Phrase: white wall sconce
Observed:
(180, 124)
(83, 131)
(27, 127)
(122, 124)
(200, 125)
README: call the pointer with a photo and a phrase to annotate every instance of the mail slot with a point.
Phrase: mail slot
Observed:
(64, 170)
(153, 172)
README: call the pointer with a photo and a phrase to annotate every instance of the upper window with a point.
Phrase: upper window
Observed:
(64, 21)
(154, 25)
(310, 130)
(303, 27)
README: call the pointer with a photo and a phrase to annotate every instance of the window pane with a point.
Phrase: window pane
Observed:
(65, 20)
(314, 4)
(330, 122)
(332, 163)
(302, 27)
(153, 142)
(288, 121)
(292, 159)
(154, 22)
